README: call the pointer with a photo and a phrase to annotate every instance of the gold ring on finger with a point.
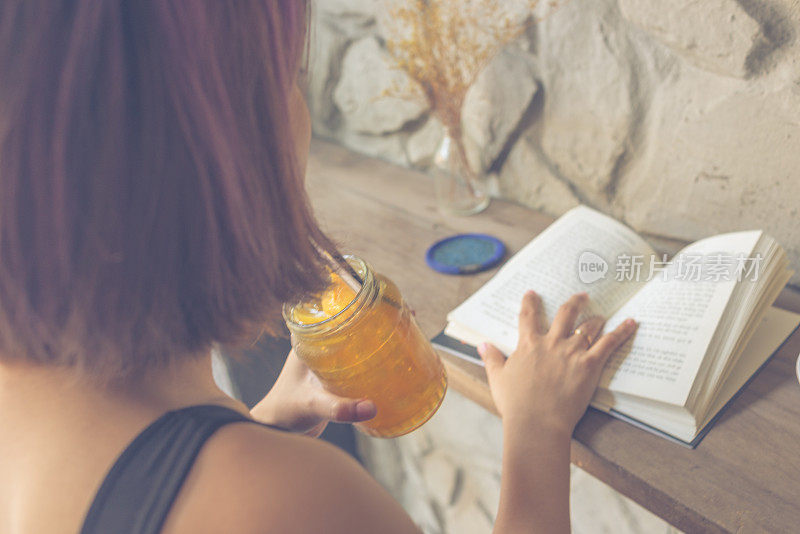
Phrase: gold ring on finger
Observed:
(589, 339)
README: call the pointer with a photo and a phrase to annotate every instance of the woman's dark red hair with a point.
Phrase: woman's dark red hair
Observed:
(151, 203)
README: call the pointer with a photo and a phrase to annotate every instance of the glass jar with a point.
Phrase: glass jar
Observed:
(371, 348)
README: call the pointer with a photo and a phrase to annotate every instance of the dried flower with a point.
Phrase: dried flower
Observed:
(444, 44)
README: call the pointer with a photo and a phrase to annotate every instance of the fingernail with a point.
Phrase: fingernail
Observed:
(482, 348)
(629, 323)
(365, 410)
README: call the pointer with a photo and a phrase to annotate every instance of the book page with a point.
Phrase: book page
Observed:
(775, 327)
(677, 319)
(551, 265)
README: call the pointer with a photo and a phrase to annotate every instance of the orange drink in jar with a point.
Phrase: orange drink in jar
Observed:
(365, 343)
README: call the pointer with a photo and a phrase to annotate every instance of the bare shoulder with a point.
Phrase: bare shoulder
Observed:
(253, 479)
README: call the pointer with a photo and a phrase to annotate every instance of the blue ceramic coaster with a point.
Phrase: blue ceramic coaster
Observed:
(465, 253)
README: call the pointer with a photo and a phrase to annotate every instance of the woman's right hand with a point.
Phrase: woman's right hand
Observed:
(550, 378)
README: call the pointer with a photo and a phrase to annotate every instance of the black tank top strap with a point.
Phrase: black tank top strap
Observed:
(141, 486)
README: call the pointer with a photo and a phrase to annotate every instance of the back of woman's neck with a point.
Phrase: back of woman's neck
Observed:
(31, 390)
(61, 434)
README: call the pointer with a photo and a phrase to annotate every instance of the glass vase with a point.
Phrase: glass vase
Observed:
(459, 189)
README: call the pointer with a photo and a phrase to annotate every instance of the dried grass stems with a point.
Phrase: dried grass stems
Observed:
(444, 44)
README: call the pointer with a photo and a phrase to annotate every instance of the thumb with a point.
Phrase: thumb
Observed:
(492, 358)
(343, 409)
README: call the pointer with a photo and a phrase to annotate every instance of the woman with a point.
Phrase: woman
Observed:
(151, 161)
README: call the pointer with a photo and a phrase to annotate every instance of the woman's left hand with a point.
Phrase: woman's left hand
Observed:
(298, 402)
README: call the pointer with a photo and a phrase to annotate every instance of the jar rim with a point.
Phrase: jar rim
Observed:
(362, 268)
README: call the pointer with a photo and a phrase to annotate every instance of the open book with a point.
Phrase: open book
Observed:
(705, 319)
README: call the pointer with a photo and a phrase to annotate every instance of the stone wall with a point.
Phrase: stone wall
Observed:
(681, 118)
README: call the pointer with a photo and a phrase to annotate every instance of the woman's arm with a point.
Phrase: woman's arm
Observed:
(534, 488)
(541, 393)
(249, 479)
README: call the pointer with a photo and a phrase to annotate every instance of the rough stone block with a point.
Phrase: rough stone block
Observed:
(495, 105)
(720, 165)
(423, 143)
(590, 105)
(526, 178)
(716, 35)
(326, 47)
(366, 91)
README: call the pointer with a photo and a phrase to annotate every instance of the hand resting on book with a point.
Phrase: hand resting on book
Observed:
(551, 376)
(541, 392)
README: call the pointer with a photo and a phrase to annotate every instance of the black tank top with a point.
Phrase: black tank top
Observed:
(139, 490)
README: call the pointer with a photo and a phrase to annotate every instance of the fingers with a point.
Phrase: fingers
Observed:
(493, 359)
(343, 410)
(611, 341)
(365, 409)
(590, 329)
(566, 315)
(531, 315)
(352, 411)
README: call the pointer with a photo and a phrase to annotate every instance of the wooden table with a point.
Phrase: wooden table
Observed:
(743, 477)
